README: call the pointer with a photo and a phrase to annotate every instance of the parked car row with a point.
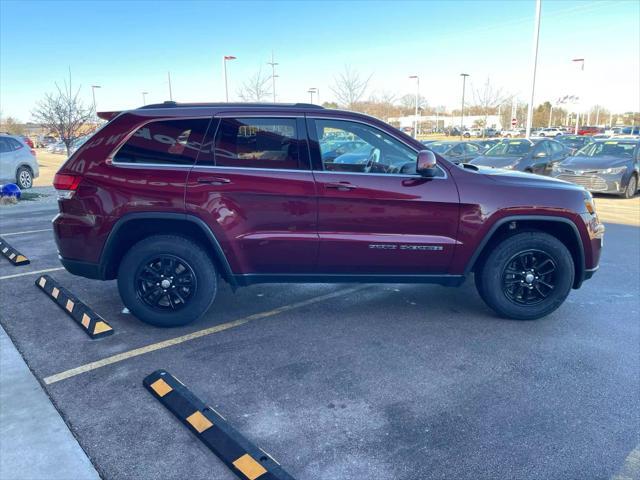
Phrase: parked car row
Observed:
(610, 165)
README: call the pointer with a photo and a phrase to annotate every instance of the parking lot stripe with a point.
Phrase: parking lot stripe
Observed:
(10, 234)
(34, 272)
(190, 336)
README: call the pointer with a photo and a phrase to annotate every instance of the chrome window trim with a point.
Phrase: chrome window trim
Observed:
(445, 174)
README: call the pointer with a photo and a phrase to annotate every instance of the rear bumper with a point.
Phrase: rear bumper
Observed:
(82, 269)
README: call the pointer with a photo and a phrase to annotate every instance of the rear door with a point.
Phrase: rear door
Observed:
(8, 160)
(375, 214)
(252, 184)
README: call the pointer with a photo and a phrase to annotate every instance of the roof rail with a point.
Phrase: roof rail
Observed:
(172, 104)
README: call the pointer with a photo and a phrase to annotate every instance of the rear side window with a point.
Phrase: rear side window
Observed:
(166, 142)
(258, 143)
(8, 144)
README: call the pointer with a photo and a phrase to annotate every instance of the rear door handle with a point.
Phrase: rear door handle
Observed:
(343, 186)
(214, 180)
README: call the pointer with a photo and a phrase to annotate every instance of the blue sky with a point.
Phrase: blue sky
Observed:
(128, 47)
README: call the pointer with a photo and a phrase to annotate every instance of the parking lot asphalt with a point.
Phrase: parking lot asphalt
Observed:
(347, 381)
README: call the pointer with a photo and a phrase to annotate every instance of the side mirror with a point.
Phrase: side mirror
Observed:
(426, 163)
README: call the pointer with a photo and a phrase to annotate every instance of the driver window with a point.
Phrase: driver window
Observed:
(354, 147)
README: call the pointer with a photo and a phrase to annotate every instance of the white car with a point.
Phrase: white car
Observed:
(474, 132)
(18, 162)
(550, 132)
(516, 132)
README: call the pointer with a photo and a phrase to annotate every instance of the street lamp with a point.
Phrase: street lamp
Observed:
(464, 80)
(273, 76)
(226, 86)
(415, 121)
(144, 98)
(93, 93)
(581, 62)
(313, 90)
(536, 37)
(170, 93)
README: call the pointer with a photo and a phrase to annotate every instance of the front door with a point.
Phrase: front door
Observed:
(255, 190)
(375, 214)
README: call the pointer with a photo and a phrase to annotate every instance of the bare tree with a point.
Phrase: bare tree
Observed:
(256, 89)
(487, 98)
(408, 102)
(13, 126)
(64, 113)
(349, 87)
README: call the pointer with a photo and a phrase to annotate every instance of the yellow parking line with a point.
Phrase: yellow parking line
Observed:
(34, 272)
(190, 336)
(25, 232)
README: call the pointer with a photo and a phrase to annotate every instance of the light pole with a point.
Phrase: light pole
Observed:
(311, 91)
(170, 93)
(273, 76)
(93, 93)
(144, 98)
(415, 121)
(226, 85)
(581, 61)
(536, 36)
(464, 80)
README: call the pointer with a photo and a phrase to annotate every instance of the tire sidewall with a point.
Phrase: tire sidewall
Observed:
(19, 180)
(630, 192)
(188, 252)
(491, 275)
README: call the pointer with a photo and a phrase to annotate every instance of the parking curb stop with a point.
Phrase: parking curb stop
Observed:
(245, 460)
(13, 255)
(93, 324)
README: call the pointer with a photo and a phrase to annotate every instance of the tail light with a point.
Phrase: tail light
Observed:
(66, 184)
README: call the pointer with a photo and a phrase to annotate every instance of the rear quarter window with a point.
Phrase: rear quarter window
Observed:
(165, 142)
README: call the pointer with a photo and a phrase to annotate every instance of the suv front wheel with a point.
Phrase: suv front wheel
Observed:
(526, 276)
(167, 280)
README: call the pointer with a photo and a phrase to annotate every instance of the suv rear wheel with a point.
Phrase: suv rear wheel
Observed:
(24, 178)
(167, 280)
(526, 276)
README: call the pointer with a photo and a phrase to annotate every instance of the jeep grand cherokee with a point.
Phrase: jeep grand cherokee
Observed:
(170, 198)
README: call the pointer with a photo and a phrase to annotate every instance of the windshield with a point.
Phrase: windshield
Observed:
(609, 148)
(510, 148)
(439, 147)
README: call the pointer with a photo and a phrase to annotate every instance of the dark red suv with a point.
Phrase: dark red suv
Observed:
(170, 198)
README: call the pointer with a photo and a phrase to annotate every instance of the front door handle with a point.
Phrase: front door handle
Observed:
(342, 186)
(214, 180)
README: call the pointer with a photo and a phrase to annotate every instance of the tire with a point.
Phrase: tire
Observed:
(509, 295)
(24, 178)
(632, 187)
(150, 260)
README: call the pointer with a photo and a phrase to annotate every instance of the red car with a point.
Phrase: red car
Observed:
(590, 130)
(170, 198)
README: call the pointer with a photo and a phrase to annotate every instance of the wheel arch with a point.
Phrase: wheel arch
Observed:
(562, 228)
(142, 225)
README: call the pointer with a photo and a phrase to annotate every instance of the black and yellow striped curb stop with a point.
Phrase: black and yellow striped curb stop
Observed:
(93, 324)
(244, 459)
(12, 254)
